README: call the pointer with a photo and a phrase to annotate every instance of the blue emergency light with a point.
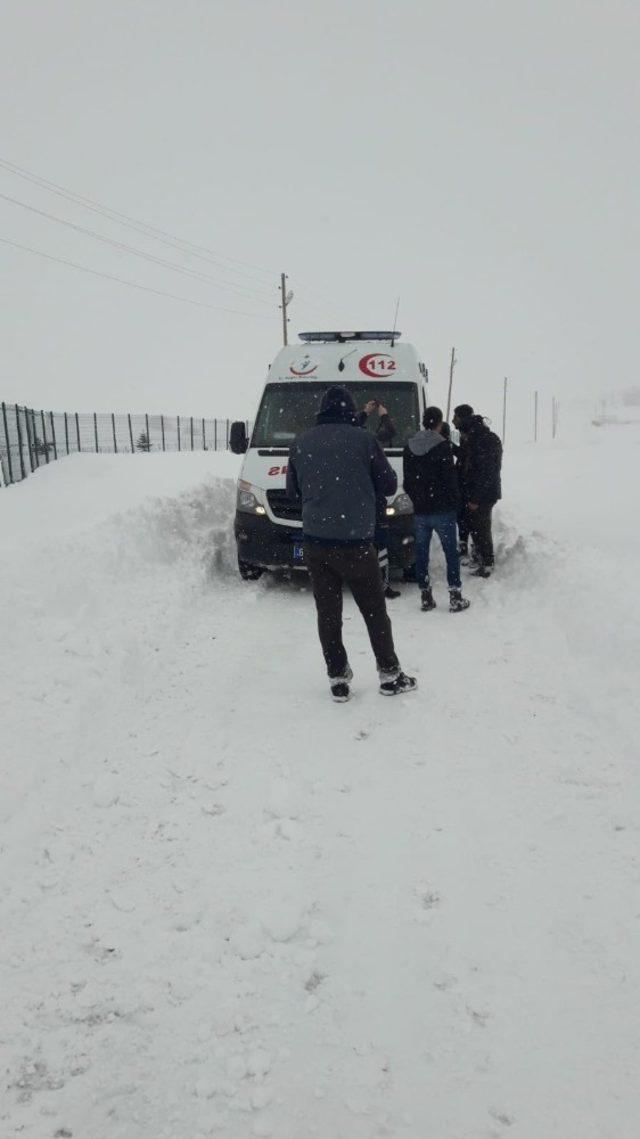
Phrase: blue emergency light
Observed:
(343, 337)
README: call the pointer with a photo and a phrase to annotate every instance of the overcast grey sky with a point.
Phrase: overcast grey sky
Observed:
(478, 159)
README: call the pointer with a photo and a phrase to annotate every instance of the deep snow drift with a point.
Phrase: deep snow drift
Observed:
(232, 908)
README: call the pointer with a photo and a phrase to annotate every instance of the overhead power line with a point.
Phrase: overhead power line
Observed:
(139, 252)
(130, 284)
(193, 248)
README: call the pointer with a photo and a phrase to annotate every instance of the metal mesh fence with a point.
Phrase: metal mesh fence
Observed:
(29, 439)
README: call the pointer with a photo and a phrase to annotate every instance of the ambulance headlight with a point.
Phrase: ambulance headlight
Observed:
(246, 500)
(402, 504)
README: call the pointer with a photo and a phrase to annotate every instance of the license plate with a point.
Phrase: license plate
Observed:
(297, 551)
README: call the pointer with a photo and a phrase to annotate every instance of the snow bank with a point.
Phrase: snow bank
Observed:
(82, 491)
(233, 909)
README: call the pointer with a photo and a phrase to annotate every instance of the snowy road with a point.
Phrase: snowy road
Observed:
(232, 908)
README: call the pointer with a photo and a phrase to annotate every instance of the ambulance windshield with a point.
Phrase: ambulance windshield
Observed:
(287, 409)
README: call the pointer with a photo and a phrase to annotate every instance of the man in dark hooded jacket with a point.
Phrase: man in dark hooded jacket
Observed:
(482, 486)
(462, 413)
(430, 481)
(338, 471)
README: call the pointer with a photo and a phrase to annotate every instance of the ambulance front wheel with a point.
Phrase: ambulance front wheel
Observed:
(249, 572)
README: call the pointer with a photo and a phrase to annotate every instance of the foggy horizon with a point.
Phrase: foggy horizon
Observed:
(479, 164)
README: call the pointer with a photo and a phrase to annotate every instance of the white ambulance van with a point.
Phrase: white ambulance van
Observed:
(373, 366)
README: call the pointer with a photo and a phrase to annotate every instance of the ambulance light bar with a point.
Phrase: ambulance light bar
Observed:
(342, 337)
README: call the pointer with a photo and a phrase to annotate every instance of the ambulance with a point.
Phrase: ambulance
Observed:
(374, 367)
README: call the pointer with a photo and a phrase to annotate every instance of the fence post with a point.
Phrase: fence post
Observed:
(192, 433)
(95, 429)
(178, 420)
(115, 441)
(66, 432)
(20, 444)
(6, 436)
(162, 430)
(227, 435)
(146, 423)
(535, 417)
(53, 435)
(78, 433)
(35, 438)
(131, 433)
(204, 436)
(45, 442)
(215, 434)
(29, 439)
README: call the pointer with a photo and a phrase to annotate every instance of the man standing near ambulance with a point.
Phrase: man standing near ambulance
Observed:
(337, 471)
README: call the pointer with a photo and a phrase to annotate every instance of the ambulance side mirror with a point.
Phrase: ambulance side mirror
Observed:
(238, 441)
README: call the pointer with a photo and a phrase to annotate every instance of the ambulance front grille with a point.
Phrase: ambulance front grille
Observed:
(282, 506)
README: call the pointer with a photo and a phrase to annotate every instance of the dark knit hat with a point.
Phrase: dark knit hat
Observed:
(337, 402)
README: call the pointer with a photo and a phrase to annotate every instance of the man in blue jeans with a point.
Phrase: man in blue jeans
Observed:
(431, 482)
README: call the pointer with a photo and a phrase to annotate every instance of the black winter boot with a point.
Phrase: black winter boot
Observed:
(457, 603)
(427, 601)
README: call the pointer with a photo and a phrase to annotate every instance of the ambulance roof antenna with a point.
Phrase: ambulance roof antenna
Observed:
(395, 323)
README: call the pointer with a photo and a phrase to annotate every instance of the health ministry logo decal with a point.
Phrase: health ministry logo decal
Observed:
(303, 367)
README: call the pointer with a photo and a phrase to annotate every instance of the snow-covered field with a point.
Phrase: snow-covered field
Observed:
(232, 908)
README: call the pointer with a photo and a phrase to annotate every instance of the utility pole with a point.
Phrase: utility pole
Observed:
(535, 417)
(451, 367)
(504, 411)
(285, 301)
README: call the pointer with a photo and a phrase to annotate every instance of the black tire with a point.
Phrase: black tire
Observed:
(249, 572)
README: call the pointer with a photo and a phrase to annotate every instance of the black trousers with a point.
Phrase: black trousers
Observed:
(464, 525)
(331, 568)
(481, 533)
(381, 542)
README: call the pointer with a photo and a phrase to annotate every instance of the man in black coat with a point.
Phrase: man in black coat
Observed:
(338, 471)
(462, 413)
(430, 481)
(482, 485)
(386, 428)
(384, 433)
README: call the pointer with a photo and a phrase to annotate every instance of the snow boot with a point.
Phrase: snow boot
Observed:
(481, 571)
(457, 603)
(427, 601)
(340, 690)
(390, 593)
(400, 683)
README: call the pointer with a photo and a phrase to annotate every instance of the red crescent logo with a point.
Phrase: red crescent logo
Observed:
(377, 364)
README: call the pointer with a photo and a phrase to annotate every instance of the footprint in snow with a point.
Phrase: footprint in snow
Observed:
(314, 981)
(428, 900)
(479, 1016)
(501, 1117)
(445, 982)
